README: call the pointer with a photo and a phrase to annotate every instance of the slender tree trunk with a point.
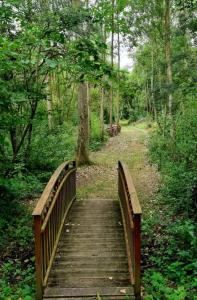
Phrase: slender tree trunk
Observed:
(59, 100)
(89, 110)
(118, 94)
(103, 30)
(13, 137)
(168, 54)
(149, 99)
(83, 112)
(26, 131)
(146, 99)
(70, 102)
(160, 90)
(83, 134)
(28, 146)
(112, 64)
(101, 114)
(49, 102)
(49, 111)
(152, 86)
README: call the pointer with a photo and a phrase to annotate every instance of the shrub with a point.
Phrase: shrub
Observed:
(177, 160)
(53, 147)
(170, 240)
(95, 138)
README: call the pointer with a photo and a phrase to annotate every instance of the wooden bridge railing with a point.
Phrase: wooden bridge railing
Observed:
(49, 216)
(131, 212)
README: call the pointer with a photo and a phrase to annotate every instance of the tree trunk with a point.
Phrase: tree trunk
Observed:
(118, 94)
(83, 133)
(89, 111)
(83, 112)
(101, 114)
(168, 54)
(49, 90)
(112, 64)
(69, 104)
(152, 86)
(146, 99)
(28, 146)
(27, 129)
(49, 111)
(103, 30)
(13, 137)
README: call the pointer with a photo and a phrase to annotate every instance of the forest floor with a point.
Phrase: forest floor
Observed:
(100, 179)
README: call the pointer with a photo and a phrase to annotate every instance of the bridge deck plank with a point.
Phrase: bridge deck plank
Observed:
(91, 256)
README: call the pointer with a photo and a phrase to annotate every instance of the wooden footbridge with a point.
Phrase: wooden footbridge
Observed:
(87, 249)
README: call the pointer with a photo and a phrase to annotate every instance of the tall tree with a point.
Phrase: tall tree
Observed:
(83, 113)
(167, 34)
(118, 92)
(112, 64)
(83, 131)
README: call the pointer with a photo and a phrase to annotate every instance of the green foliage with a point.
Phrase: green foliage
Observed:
(17, 267)
(96, 142)
(171, 236)
(177, 160)
(157, 288)
(132, 104)
(46, 50)
(16, 281)
(56, 146)
(169, 247)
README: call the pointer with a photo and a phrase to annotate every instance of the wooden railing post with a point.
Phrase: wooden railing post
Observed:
(137, 254)
(38, 256)
(75, 175)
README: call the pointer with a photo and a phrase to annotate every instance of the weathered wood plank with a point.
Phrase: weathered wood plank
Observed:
(91, 255)
(88, 292)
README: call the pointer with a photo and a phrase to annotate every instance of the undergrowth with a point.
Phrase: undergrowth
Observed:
(16, 249)
(170, 242)
(169, 256)
(96, 143)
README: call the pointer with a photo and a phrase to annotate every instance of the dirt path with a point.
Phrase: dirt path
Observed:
(100, 179)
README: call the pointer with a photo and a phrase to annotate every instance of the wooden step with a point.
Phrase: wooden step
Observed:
(86, 247)
(95, 261)
(89, 220)
(88, 282)
(89, 235)
(82, 293)
(95, 226)
(114, 297)
(103, 239)
(91, 265)
(86, 269)
(86, 272)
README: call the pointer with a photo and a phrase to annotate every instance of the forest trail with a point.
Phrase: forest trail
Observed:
(92, 235)
(131, 146)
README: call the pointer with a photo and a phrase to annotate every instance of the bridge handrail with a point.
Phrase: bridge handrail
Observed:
(49, 216)
(131, 212)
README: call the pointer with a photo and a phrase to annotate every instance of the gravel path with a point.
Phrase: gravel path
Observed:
(100, 179)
